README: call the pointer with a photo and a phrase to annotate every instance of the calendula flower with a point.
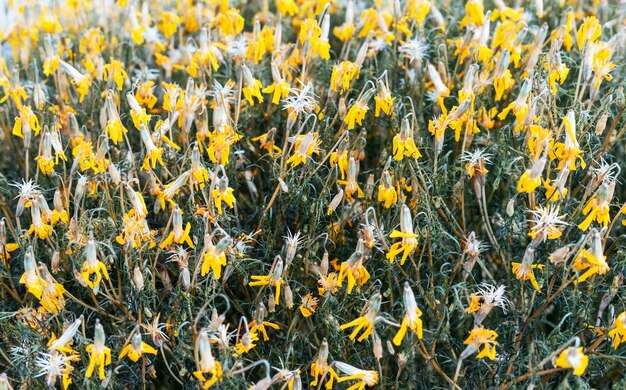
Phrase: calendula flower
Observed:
(353, 270)
(320, 367)
(6, 247)
(267, 142)
(547, 223)
(252, 87)
(476, 161)
(519, 106)
(364, 377)
(178, 235)
(273, 279)
(366, 321)
(168, 23)
(136, 348)
(223, 193)
(409, 239)
(387, 194)
(351, 184)
(93, 269)
(308, 305)
(247, 341)
(258, 324)
(26, 123)
(531, 179)
(52, 299)
(502, 79)
(280, 88)
(214, 257)
(357, 111)
(99, 354)
(618, 330)
(592, 260)
(82, 82)
(573, 358)
(411, 320)
(114, 70)
(34, 283)
(403, 143)
(588, 32)
(115, 130)
(342, 76)
(207, 364)
(597, 208)
(569, 151)
(304, 147)
(480, 338)
(524, 271)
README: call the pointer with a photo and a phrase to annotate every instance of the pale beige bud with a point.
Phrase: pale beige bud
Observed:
(138, 279)
(55, 262)
(288, 296)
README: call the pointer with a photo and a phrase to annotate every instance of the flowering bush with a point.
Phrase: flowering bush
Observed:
(325, 194)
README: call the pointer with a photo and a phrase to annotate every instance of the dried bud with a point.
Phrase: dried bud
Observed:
(55, 262)
(288, 296)
(138, 279)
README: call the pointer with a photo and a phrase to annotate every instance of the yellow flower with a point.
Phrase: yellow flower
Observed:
(387, 194)
(481, 338)
(304, 146)
(258, 324)
(252, 88)
(136, 348)
(214, 257)
(531, 179)
(365, 377)
(409, 239)
(592, 260)
(548, 223)
(320, 367)
(524, 271)
(384, 100)
(357, 112)
(342, 75)
(114, 128)
(286, 7)
(474, 14)
(99, 354)
(93, 267)
(207, 365)
(412, 318)
(145, 94)
(309, 305)
(178, 235)
(597, 208)
(168, 23)
(52, 299)
(569, 151)
(30, 278)
(280, 87)
(573, 358)
(618, 330)
(115, 70)
(351, 181)
(223, 193)
(588, 32)
(353, 270)
(273, 279)
(267, 142)
(26, 122)
(403, 143)
(366, 321)
(173, 98)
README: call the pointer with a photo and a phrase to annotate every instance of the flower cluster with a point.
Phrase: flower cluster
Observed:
(291, 193)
